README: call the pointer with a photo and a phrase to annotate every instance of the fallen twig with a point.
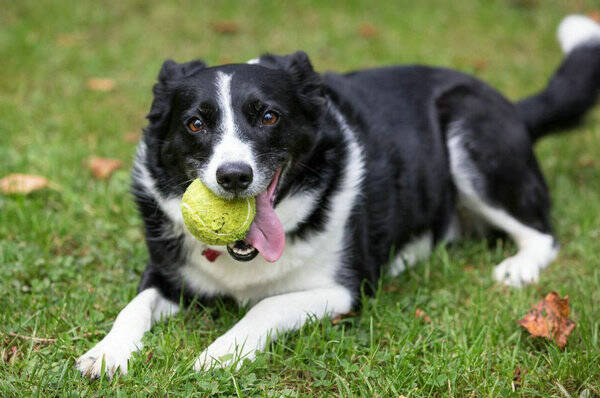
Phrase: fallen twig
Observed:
(36, 339)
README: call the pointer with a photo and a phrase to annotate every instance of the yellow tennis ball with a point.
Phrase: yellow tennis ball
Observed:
(215, 220)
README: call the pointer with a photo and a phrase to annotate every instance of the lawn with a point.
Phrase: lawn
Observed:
(71, 255)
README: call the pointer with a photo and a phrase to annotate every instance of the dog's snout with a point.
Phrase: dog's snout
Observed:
(234, 176)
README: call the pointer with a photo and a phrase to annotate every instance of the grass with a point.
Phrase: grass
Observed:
(71, 257)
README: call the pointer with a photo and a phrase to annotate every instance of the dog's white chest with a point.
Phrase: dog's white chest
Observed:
(305, 264)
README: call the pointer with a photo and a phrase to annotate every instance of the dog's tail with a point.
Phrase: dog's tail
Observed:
(575, 85)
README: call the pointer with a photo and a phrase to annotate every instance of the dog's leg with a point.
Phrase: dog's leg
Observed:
(418, 249)
(125, 337)
(536, 250)
(269, 317)
(537, 247)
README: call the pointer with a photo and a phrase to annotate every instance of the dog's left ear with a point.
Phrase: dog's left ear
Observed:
(308, 83)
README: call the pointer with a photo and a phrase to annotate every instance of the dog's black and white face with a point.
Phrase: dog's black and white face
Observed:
(235, 127)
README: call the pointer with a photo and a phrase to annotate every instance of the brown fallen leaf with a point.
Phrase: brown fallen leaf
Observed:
(367, 30)
(225, 27)
(390, 288)
(586, 161)
(66, 40)
(132, 137)
(550, 319)
(517, 380)
(22, 183)
(101, 83)
(339, 318)
(419, 313)
(595, 15)
(102, 168)
(14, 352)
(149, 357)
(480, 64)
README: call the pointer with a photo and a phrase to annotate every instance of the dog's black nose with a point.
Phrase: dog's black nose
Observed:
(234, 176)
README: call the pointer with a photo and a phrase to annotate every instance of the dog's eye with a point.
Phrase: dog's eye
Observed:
(195, 124)
(269, 118)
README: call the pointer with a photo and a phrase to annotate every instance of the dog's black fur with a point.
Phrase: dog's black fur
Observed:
(402, 115)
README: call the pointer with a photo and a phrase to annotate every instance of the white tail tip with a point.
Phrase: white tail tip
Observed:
(575, 30)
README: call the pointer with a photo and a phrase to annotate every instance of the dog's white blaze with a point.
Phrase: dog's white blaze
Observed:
(125, 336)
(304, 264)
(230, 147)
(576, 30)
(535, 249)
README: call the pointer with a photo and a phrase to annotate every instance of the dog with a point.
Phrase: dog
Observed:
(347, 170)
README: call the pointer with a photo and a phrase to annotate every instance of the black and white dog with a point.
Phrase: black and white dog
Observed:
(347, 169)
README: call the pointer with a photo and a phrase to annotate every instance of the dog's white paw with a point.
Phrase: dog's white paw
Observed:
(223, 353)
(524, 267)
(518, 270)
(114, 354)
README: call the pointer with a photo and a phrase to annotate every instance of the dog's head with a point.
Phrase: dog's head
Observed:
(235, 127)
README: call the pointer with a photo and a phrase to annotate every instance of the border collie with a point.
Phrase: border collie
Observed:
(347, 169)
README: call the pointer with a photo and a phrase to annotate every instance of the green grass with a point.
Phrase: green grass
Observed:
(71, 257)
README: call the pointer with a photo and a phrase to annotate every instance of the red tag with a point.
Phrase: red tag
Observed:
(211, 255)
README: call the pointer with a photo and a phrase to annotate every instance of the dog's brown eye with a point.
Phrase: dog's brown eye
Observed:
(196, 124)
(269, 118)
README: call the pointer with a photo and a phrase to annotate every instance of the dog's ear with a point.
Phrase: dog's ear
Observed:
(170, 72)
(308, 82)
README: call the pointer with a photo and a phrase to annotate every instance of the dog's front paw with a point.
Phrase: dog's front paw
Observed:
(518, 270)
(223, 353)
(113, 354)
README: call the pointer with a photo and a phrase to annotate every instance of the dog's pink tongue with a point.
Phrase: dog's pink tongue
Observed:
(266, 232)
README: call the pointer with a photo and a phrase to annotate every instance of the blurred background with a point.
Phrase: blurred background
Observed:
(75, 86)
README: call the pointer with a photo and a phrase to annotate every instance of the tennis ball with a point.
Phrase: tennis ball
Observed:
(215, 220)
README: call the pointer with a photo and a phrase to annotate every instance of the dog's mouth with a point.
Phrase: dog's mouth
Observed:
(241, 251)
(266, 235)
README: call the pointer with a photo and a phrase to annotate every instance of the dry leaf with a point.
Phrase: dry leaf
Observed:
(550, 319)
(22, 183)
(225, 27)
(101, 83)
(517, 380)
(480, 64)
(339, 318)
(66, 40)
(390, 288)
(595, 15)
(132, 137)
(587, 161)
(149, 357)
(419, 313)
(367, 31)
(102, 168)
(14, 352)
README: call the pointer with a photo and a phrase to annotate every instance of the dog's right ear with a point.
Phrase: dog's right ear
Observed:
(170, 72)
